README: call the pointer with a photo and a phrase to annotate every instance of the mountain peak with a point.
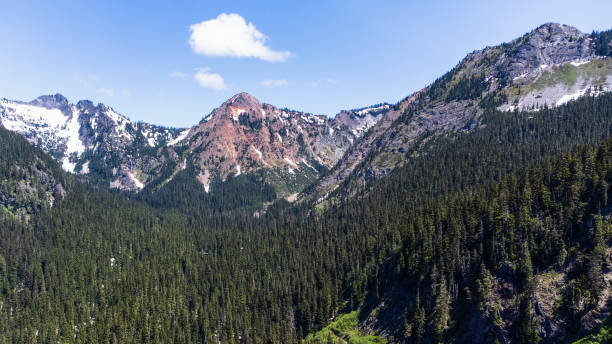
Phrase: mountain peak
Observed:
(551, 26)
(243, 99)
(51, 100)
(554, 29)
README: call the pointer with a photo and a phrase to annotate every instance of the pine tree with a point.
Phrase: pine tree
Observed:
(418, 322)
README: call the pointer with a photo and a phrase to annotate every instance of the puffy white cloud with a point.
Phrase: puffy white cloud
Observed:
(209, 80)
(230, 35)
(275, 83)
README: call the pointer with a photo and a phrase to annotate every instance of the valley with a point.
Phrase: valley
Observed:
(473, 210)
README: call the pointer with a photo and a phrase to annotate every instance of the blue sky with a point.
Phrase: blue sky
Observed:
(319, 56)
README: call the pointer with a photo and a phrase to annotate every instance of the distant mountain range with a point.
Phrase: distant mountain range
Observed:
(241, 136)
(305, 156)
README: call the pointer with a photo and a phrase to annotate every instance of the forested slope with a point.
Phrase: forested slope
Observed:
(97, 267)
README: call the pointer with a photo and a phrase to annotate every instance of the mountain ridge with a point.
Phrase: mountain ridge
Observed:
(307, 156)
(548, 66)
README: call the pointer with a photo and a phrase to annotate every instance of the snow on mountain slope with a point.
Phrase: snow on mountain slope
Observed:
(556, 84)
(88, 138)
(53, 129)
(241, 136)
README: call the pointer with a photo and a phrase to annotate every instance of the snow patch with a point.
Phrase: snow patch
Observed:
(120, 123)
(74, 143)
(279, 137)
(37, 122)
(238, 172)
(85, 168)
(237, 114)
(137, 182)
(258, 152)
(307, 164)
(372, 109)
(291, 162)
(179, 138)
(67, 165)
(579, 63)
(591, 90)
(569, 97)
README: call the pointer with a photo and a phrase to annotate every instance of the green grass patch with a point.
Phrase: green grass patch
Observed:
(597, 69)
(343, 330)
(566, 74)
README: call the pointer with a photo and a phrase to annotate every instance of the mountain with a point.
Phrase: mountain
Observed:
(307, 156)
(546, 67)
(290, 148)
(31, 181)
(493, 225)
(91, 139)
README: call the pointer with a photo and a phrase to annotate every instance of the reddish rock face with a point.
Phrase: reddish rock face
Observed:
(244, 135)
(241, 136)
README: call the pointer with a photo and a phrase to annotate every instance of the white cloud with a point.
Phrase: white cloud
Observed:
(230, 35)
(209, 80)
(178, 75)
(107, 91)
(275, 83)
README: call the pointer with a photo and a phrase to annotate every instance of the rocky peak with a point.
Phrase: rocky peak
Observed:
(549, 44)
(234, 107)
(245, 136)
(86, 106)
(358, 121)
(550, 29)
(51, 101)
(243, 99)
